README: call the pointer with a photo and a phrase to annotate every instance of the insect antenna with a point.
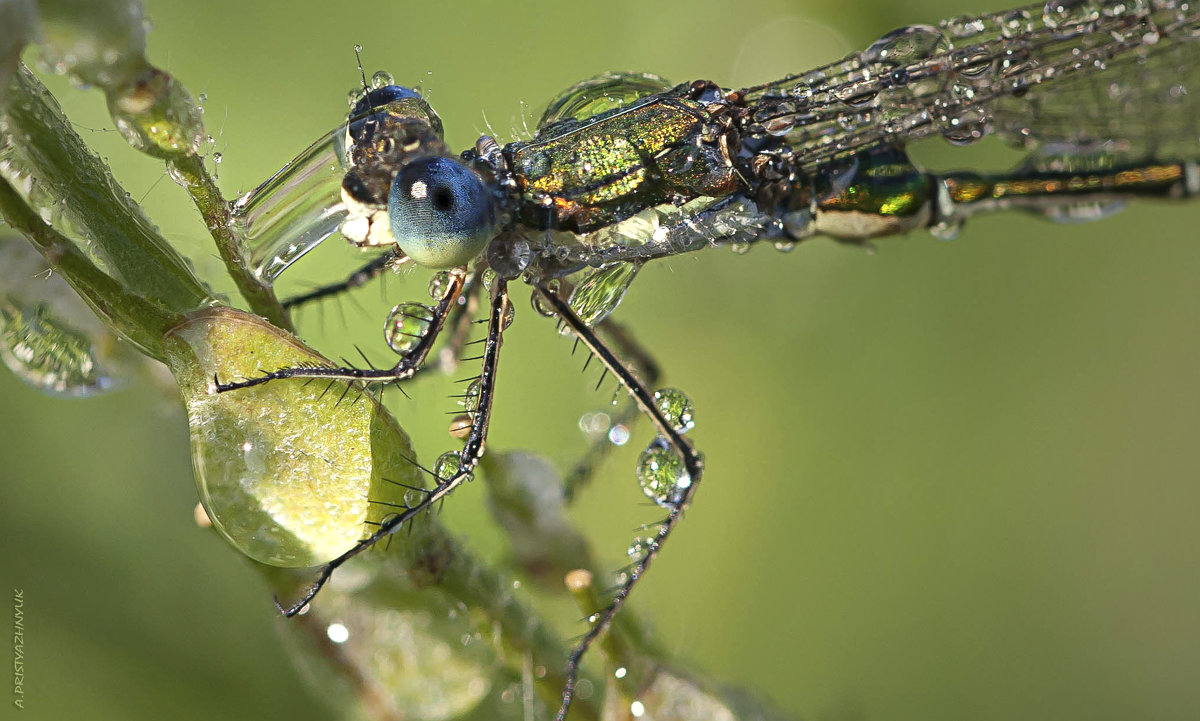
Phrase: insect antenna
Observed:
(362, 73)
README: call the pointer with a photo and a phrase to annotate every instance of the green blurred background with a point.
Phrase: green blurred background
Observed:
(945, 481)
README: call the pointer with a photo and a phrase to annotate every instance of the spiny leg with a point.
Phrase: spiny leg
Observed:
(681, 496)
(412, 360)
(372, 270)
(468, 458)
(648, 369)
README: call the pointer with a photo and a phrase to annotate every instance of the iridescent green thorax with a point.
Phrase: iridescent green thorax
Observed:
(583, 175)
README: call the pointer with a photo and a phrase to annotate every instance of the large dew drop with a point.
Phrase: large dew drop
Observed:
(285, 470)
(48, 337)
(48, 354)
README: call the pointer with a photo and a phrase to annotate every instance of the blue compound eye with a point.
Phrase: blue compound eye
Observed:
(379, 97)
(441, 215)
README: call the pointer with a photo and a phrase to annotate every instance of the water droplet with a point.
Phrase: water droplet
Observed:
(639, 548)
(470, 399)
(907, 45)
(740, 247)
(974, 65)
(439, 284)
(413, 497)
(507, 316)
(964, 26)
(1121, 8)
(541, 306)
(676, 408)
(780, 126)
(599, 94)
(1084, 211)
(382, 79)
(662, 473)
(406, 325)
(156, 115)
(509, 259)
(858, 93)
(460, 426)
(784, 246)
(1015, 23)
(49, 354)
(600, 293)
(487, 277)
(963, 126)
(1059, 13)
(217, 158)
(447, 466)
(262, 455)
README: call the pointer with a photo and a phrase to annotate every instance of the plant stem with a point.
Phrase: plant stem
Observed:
(137, 318)
(190, 171)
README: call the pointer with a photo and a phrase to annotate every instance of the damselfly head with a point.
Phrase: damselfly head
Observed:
(402, 186)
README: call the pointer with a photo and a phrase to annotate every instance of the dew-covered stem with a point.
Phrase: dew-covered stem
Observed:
(66, 184)
(137, 318)
(190, 172)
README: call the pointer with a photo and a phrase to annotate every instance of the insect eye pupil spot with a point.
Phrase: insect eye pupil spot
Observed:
(443, 198)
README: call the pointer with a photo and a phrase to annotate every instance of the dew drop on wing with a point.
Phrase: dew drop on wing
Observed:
(602, 291)
(907, 45)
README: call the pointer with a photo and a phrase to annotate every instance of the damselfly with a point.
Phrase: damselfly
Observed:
(625, 169)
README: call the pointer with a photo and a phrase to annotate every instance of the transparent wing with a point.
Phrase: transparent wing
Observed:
(1079, 72)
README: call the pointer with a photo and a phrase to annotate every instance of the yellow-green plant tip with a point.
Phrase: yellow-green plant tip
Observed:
(289, 472)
